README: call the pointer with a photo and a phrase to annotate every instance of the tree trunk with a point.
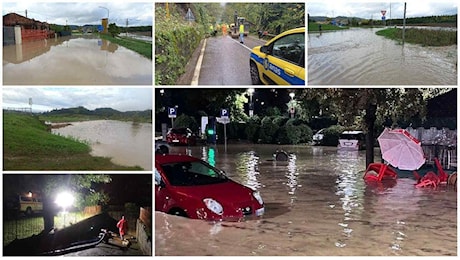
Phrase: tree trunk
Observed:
(48, 214)
(370, 118)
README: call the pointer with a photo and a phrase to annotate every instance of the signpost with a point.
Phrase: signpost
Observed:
(172, 113)
(224, 119)
(383, 16)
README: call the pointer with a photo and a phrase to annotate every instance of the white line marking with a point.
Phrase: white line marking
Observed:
(249, 49)
(196, 73)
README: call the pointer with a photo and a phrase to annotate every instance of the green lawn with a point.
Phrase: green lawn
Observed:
(142, 47)
(421, 36)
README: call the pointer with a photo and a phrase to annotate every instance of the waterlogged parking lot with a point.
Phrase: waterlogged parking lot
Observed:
(316, 204)
(360, 57)
(85, 60)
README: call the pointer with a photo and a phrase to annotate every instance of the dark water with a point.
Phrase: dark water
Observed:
(316, 204)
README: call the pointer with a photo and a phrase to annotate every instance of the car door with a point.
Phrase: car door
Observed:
(161, 193)
(285, 62)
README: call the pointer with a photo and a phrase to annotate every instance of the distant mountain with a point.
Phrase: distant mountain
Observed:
(104, 113)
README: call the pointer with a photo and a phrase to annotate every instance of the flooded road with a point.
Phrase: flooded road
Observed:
(85, 60)
(126, 143)
(360, 57)
(316, 204)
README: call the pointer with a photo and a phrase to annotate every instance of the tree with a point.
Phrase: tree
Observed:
(114, 30)
(368, 107)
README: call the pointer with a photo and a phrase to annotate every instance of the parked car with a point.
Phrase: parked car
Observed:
(190, 187)
(181, 136)
(352, 140)
(318, 137)
(281, 61)
(30, 204)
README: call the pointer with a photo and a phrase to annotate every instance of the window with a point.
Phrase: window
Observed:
(290, 48)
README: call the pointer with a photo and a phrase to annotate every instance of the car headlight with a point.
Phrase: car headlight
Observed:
(213, 206)
(257, 196)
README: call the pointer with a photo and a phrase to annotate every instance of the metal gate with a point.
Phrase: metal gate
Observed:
(8, 35)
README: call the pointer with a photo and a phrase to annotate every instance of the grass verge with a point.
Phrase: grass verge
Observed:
(314, 27)
(421, 36)
(142, 47)
(28, 145)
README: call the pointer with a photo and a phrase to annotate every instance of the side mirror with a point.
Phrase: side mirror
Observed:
(265, 49)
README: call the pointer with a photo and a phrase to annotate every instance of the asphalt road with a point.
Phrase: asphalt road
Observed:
(226, 61)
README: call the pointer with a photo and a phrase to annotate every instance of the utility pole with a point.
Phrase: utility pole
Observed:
(126, 27)
(404, 23)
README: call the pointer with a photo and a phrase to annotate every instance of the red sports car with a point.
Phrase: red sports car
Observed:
(181, 136)
(190, 187)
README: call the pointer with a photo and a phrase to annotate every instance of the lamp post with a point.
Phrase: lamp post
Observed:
(251, 105)
(64, 200)
(107, 12)
(292, 104)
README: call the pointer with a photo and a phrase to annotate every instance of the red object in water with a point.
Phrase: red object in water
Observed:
(378, 172)
(431, 179)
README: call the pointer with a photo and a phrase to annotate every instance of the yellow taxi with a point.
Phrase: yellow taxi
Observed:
(281, 61)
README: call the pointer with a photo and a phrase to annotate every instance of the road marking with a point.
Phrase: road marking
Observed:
(249, 49)
(196, 73)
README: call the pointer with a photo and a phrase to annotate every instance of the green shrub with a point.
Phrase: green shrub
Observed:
(332, 134)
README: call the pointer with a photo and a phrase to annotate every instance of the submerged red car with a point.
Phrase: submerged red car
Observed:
(181, 136)
(189, 187)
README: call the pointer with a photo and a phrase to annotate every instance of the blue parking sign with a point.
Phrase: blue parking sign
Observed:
(224, 113)
(172, 112)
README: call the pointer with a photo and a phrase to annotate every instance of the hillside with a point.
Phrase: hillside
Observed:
(82, 114)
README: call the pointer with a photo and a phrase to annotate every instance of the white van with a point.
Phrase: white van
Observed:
(352, 140)
(30, 205)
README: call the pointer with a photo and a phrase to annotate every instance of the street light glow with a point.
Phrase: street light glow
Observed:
(292, 95)
(64, 200)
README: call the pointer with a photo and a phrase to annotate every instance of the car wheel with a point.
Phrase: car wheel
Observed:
(254, 74)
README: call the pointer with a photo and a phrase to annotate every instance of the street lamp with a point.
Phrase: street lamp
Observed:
(64, 200)
(107, 12)
(292, 104)
(251, 105)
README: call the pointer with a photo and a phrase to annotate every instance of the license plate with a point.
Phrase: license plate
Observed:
(175, 141)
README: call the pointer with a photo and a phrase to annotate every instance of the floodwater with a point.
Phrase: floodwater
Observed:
(316, 204)
(126, 143)
(360, 57)
(85, 60)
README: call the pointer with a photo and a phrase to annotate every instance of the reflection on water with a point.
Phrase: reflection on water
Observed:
(69, 60)
(316, 204)
(359, 56)
(126, 143)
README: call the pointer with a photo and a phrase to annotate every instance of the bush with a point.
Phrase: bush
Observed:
(187, 122)
(332, 134)
(268, 130)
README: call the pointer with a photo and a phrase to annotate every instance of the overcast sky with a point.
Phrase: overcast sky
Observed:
(46, 99)
(370, 9)
(81, 13)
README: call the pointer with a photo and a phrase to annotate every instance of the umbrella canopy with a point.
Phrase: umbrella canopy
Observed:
(401, 150)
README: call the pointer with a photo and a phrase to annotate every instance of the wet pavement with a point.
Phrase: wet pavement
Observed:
(316, 204)
(226, 61)
(85, 60)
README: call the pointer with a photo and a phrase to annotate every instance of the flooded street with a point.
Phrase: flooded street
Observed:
(360, 57)
(85, 60)
(316, 204)
(126, 143)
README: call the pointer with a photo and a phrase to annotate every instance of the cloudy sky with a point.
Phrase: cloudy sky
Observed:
(372, 9)
(81, 13)
(46, 99)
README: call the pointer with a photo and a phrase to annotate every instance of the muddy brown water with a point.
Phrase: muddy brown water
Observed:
(75, 60)
(316, 204)
(360, 57)
(126, 143)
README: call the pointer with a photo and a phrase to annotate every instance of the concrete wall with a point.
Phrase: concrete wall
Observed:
(143, 238)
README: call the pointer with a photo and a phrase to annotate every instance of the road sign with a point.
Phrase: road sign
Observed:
(224, 113)
(383, 12)
(223, 120)
(383, 18)
(172, 112)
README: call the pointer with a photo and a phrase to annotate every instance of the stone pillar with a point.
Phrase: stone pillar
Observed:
(17, 35)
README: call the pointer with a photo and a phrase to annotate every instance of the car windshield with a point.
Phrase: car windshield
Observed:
(351, 136)
(192, 173)
(179, 131)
